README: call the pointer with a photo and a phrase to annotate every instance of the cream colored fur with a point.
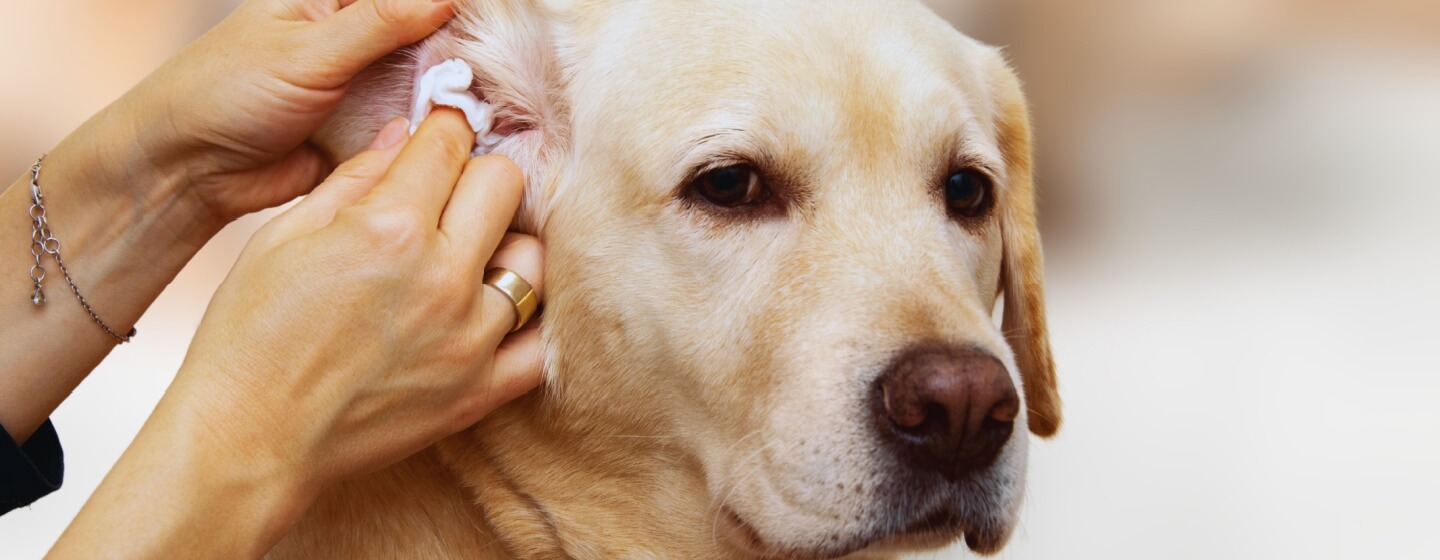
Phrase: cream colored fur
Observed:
(709, 375)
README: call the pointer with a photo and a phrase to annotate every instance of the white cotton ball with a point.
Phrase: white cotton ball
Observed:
(448, 85)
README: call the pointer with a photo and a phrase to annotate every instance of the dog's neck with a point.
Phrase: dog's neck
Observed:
(551, 489)
(533, 481)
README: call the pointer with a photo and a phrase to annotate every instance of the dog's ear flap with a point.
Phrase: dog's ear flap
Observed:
(509, 47)
(1023, 269)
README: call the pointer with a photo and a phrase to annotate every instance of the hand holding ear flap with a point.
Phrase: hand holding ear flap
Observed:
(508, 46)
(1023, 271)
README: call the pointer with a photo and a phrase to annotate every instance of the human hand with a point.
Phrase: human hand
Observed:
(217, 132)
(232, 112)
(355, 328)
(354, 331)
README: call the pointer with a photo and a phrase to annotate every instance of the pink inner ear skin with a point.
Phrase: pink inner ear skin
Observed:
(447, 44)
(510, 53)
(440, 47)
(508, 127)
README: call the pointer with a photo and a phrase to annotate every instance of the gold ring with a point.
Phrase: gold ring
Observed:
(518, 290)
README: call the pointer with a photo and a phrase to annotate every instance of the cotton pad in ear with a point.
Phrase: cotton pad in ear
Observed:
(448, 85)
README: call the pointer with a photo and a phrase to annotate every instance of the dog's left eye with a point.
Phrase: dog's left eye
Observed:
(730, 186)
(967, 193)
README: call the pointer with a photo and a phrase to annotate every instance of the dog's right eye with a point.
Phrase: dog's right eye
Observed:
(967, 193)
(731, 186)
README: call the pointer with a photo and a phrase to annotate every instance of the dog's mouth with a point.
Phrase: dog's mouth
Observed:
(933, 531)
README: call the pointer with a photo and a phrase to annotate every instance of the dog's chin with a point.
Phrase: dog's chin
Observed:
(934, 531)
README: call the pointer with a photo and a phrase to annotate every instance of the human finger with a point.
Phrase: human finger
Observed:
(424, 174)
(351, 181)
(525, 256)
(483, 206)
(363, 31)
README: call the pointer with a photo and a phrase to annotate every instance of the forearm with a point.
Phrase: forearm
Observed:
(126, 228)
(176, 494)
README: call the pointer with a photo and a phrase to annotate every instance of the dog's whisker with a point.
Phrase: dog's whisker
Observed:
(719, 504)
(745, 477)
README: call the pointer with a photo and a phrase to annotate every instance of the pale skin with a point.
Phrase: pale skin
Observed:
(353, 331)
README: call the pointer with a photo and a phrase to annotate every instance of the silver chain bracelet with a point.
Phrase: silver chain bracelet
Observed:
(43, 242)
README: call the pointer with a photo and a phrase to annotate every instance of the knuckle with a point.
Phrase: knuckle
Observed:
(389, 227)
(453, 146)
(391, 13)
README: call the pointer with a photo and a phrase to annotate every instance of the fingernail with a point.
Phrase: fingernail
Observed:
(395, 131)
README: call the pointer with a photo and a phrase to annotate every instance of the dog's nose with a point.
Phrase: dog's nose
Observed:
(947, 410)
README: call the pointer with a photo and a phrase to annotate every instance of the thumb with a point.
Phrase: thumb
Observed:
(362, 32)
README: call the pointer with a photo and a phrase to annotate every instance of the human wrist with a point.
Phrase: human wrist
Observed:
(224, 468)
(125, 228)
(129, 165)
(229, 425)
(180, 491)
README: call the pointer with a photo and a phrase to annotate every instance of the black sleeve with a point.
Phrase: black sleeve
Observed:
(29, 472)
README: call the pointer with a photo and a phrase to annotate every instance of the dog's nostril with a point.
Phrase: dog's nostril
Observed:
(933, 419)
(947, 410)
(936, 418)
(1005, 411)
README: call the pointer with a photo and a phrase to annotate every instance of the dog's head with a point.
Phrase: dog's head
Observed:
(777, 231)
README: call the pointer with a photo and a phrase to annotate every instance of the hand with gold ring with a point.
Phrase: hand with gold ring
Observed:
(356, 329)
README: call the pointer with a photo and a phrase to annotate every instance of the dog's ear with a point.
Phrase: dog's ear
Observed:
(510, 48)
(1023, 269)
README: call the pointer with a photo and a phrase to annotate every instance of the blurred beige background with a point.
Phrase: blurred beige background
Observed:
(1239, 202)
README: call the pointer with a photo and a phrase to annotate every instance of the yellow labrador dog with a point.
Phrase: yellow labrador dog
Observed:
(777, 230)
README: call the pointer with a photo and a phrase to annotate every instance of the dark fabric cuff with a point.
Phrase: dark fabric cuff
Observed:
(31, 471)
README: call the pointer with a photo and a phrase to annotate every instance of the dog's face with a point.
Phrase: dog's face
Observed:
(777, 231)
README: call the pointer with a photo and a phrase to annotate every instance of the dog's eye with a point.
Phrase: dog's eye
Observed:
(967, 193)
(735, 185)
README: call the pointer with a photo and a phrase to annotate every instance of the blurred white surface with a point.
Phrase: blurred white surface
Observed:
(1242, 297)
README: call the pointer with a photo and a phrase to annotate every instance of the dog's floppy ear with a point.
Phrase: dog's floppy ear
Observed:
(509, 47)
(1023, 269)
